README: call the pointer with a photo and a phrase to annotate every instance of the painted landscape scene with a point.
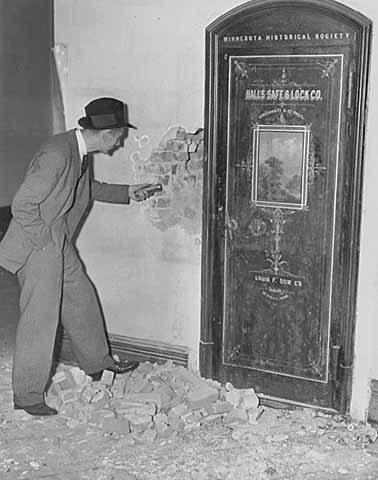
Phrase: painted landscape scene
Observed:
(280, 161)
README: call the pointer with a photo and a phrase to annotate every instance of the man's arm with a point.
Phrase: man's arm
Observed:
(110, 192)
(41, 178)
(113, 193)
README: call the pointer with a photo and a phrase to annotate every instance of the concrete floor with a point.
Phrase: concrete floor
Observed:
(282, 445)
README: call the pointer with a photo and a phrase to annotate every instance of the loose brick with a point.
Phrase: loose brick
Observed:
(161, 418)
(98, 416)
(149, 397)
(178, 410)
(184, 376)
(118, 425)
(139, 423)
(213, 419)
(66, 383)
(147, 388)
(68, 396)
(103, 403)
(254, 414)
(100, 400)
(55, 390)
(218, 408)
(98, 396)
(149, 435)
(118, 389)
(164, 431)
(54, 402)
(166, 395)
(131, 408)
(192, 426)
(249, 399)
(87, 394)
(233, 397)
(176, 423)
(81, 412)
(192, 417)
(107, 378)
(146, 367)
(198, 399)
(236, 415)
(136, 384)
(78, 376)
(59, 376)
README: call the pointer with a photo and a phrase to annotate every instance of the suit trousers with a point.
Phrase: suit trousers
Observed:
(55, 286)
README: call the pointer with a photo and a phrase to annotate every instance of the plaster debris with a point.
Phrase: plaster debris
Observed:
(165, 422)
(154, 401)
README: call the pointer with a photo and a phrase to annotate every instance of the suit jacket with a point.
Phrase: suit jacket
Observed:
(52, 200)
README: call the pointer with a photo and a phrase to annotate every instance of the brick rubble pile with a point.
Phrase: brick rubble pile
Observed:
(154, 401)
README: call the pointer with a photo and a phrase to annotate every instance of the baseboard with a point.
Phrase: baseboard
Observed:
(131, 348)
(285, 404)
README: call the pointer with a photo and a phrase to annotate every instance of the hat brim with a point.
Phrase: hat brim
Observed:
(87, 124)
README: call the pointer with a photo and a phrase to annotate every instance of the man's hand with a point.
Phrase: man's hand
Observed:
(142, 191)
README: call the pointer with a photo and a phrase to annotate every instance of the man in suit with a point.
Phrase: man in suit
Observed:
(38, 246)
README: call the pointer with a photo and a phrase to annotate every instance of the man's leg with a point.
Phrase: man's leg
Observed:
(81, 315)
(40, 296)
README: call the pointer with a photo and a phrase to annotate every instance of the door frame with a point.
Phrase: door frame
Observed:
(211, 321)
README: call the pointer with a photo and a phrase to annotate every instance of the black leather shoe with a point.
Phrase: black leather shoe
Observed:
(123, 366)
(39, 409)
(96, 377)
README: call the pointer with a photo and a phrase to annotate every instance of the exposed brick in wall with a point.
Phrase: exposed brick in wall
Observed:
(177, 164)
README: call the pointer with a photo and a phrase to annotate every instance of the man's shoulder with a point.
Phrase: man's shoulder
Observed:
(60, 142)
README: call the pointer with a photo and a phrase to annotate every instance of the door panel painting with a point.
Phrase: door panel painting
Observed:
(280, 155)
(278, 250)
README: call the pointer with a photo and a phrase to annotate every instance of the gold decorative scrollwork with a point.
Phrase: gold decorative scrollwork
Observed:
(328, 68)
(231, 225)
(240, 69)
(274, 257)
(314, 167)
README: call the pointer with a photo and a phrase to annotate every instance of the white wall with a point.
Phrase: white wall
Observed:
(151, 54)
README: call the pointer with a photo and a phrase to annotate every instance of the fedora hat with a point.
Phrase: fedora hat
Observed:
(104, 113)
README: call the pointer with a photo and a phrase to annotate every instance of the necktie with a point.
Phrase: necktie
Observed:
(84, 164)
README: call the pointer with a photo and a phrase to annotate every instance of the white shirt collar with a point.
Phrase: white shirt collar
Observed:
(81, 143)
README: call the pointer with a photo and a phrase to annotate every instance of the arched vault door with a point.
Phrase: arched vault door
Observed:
(285, 95)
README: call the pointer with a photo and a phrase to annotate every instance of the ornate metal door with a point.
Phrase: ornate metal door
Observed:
(279, 271)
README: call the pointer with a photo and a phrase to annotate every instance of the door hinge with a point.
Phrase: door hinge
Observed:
(346, 367)
(335, 356)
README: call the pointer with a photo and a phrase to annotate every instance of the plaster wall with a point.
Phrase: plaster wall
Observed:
(146, 263)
